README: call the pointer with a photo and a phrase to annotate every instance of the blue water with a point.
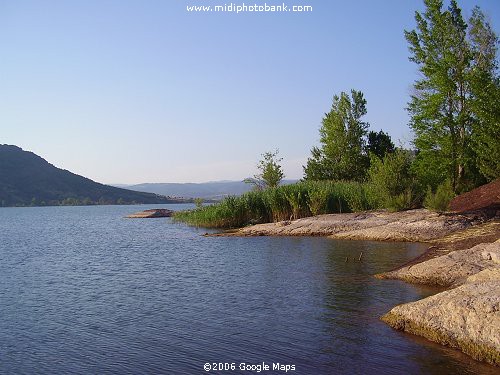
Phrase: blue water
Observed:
(85, 291)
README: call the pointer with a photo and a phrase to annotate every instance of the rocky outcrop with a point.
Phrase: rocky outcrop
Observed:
(466, 317)
(153, 213)
(452, 268)
(416, 225)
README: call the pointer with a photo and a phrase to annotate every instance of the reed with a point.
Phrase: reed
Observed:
(282, 203)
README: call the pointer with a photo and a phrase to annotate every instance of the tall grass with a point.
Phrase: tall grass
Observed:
(282, 203)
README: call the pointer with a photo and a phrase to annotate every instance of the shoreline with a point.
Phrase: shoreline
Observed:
(463, 256)
(419, 225)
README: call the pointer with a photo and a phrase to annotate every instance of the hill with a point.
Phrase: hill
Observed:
(28, 180)
(206, 190)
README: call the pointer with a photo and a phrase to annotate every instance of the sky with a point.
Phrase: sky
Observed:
(129, 92)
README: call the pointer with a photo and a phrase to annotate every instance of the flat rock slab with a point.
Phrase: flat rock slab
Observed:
(466, 318)
(153, 213)
(415, 225)
(452, 268)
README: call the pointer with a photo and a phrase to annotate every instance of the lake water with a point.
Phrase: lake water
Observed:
(85, 291)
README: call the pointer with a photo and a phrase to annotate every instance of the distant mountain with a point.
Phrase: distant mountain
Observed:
(28, 180)
(205, 190)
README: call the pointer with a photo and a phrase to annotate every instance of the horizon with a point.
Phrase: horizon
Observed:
(130, 93)
(194, 183)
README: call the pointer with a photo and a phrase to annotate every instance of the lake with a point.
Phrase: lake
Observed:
(85, 291)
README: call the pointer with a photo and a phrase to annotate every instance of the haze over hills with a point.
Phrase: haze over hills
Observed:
(26, 179)
(205, 190)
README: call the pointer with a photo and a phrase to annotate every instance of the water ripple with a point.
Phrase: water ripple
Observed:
(85, 291)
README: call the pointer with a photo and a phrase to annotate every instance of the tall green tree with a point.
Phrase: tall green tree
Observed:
(343, 137)
(379, 144)
(270, 172)
(485, 88)
(444, 117)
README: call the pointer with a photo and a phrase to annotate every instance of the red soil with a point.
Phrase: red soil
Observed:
(483, 197)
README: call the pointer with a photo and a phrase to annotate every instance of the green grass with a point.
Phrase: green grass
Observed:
(282, 203)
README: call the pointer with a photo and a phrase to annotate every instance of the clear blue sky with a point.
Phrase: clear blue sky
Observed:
(143, 91)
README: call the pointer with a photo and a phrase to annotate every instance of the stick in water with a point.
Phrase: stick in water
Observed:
(360, 255)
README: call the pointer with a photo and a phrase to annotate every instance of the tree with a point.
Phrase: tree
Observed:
(485, 87)
(442, 109)
(342, 136)
(271, 173)
(379, 144)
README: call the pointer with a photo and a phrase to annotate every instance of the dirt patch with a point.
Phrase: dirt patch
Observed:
(486, 197)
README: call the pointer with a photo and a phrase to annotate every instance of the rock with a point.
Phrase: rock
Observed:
(153, 213)
(466, 318)
(488, 274)
(414, 225)
(493, 255)
(283, 223)
(450, 269)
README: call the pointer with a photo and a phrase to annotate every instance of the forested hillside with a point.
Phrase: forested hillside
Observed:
(26, 179)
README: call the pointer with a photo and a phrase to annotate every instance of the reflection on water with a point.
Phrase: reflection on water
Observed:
(83, 290)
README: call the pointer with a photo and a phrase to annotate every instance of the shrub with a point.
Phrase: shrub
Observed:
(391, 181)
(439, 200)
(401, 202)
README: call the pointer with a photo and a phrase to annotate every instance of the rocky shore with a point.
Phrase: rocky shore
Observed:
(464, 256)
(466, 317)
(451, 269)
(415, 226)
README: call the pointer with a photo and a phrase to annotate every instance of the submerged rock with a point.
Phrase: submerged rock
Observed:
(153, 213)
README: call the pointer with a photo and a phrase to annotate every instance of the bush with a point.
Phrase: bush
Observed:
(392, 181)
(439, 200)
(401, 202)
